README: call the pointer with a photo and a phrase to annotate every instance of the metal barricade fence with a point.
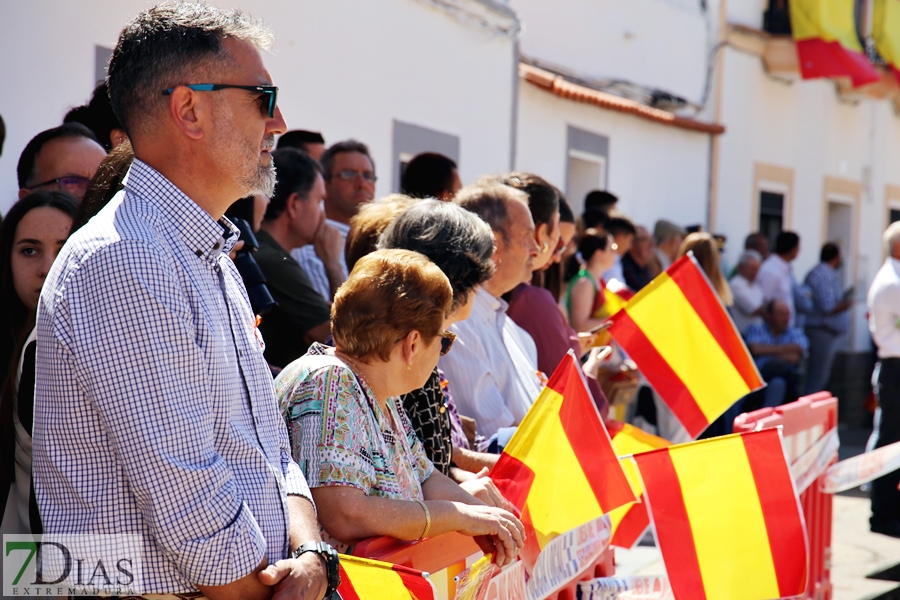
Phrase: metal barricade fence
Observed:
(805, 422)
(447, 555)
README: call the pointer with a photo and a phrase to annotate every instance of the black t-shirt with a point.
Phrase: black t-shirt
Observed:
(300, 307)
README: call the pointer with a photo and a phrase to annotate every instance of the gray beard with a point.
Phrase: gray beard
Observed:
(264, 182)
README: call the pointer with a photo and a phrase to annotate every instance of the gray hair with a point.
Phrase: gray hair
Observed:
(168, 45)
(455, 239)
(748, 255)
(489, 201)
(664, 230)
(891, 238)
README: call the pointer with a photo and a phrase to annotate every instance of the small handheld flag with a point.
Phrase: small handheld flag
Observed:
(727, 517)
(559, 469)
(686, 345)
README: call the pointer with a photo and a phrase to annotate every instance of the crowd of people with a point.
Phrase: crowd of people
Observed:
(237, 351)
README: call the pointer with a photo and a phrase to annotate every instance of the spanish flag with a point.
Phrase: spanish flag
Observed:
(617, 296)
(559, 469)
(686, 345)
(727, 517)
(827, 44)
(364, 579)
(886, 32)
(631, 521)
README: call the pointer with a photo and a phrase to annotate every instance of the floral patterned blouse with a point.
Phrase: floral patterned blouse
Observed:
(339, 434)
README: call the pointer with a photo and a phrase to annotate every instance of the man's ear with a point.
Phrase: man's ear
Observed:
(293, 205)
(188, 111)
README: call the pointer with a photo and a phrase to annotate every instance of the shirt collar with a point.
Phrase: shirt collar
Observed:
(486, 304)
(344, 228)
(205, 237)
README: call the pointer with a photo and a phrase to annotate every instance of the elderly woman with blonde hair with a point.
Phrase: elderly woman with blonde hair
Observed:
(367, 470)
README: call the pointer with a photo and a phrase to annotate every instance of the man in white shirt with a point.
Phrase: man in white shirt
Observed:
(349, 182)
(623, 231)
(493, 368)
(668, 237)
(775, 277)
(748, 296)
(884, 324)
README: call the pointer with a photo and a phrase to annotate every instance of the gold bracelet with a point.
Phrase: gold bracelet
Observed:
(427, 520)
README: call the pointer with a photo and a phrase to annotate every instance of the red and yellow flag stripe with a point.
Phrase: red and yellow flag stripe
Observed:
(365, 579)
(827, 43)
(727, 517)
(886, 32)
(686, 345)
(559, 468)
(631, 521)
(617, 296)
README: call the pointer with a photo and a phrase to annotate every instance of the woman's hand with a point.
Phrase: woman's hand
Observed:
(495, 531)
(482, 487)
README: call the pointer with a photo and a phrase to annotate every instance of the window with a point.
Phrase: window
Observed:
(771, 215)
(587, 164)
(894, 215)
(410, 140)
(101, 61)
(891, 204)
(777, 18)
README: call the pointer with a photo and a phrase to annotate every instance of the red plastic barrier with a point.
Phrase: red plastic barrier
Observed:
(804, 422)
(450, 551)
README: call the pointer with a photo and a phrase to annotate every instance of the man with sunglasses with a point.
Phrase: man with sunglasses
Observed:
(60, 159)
(155, 412)
(349, 182)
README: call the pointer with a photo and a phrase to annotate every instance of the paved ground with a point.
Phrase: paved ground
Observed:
(856, 552)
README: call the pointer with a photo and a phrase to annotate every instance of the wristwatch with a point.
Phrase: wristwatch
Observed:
(332, 565)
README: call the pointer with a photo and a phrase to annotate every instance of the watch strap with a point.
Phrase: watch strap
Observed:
(332, 564)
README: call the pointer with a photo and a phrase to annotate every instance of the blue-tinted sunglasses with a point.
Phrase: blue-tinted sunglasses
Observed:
(270, 91)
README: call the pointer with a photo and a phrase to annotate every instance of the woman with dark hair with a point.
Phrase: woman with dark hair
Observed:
(585, 296)
(430, 175)
(31, 236)
(461, 245)
(98, 116)
(551, 278)
(367, 470)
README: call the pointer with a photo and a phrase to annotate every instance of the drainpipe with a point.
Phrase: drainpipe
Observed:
(714, 142)
(514, 108)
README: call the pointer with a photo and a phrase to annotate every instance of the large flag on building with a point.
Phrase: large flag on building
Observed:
(727, 517)
(886, 32)
(365, 579)
(686, 345)
(559, 469)
(827, 43)
(629, 522)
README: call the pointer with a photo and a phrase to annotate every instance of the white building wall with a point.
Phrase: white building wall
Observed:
(657, 171)
(656, 43)
(347, 68)
(805, 127)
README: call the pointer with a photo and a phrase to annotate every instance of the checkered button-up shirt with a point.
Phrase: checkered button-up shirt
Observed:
(155, 411)
(825, 284)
